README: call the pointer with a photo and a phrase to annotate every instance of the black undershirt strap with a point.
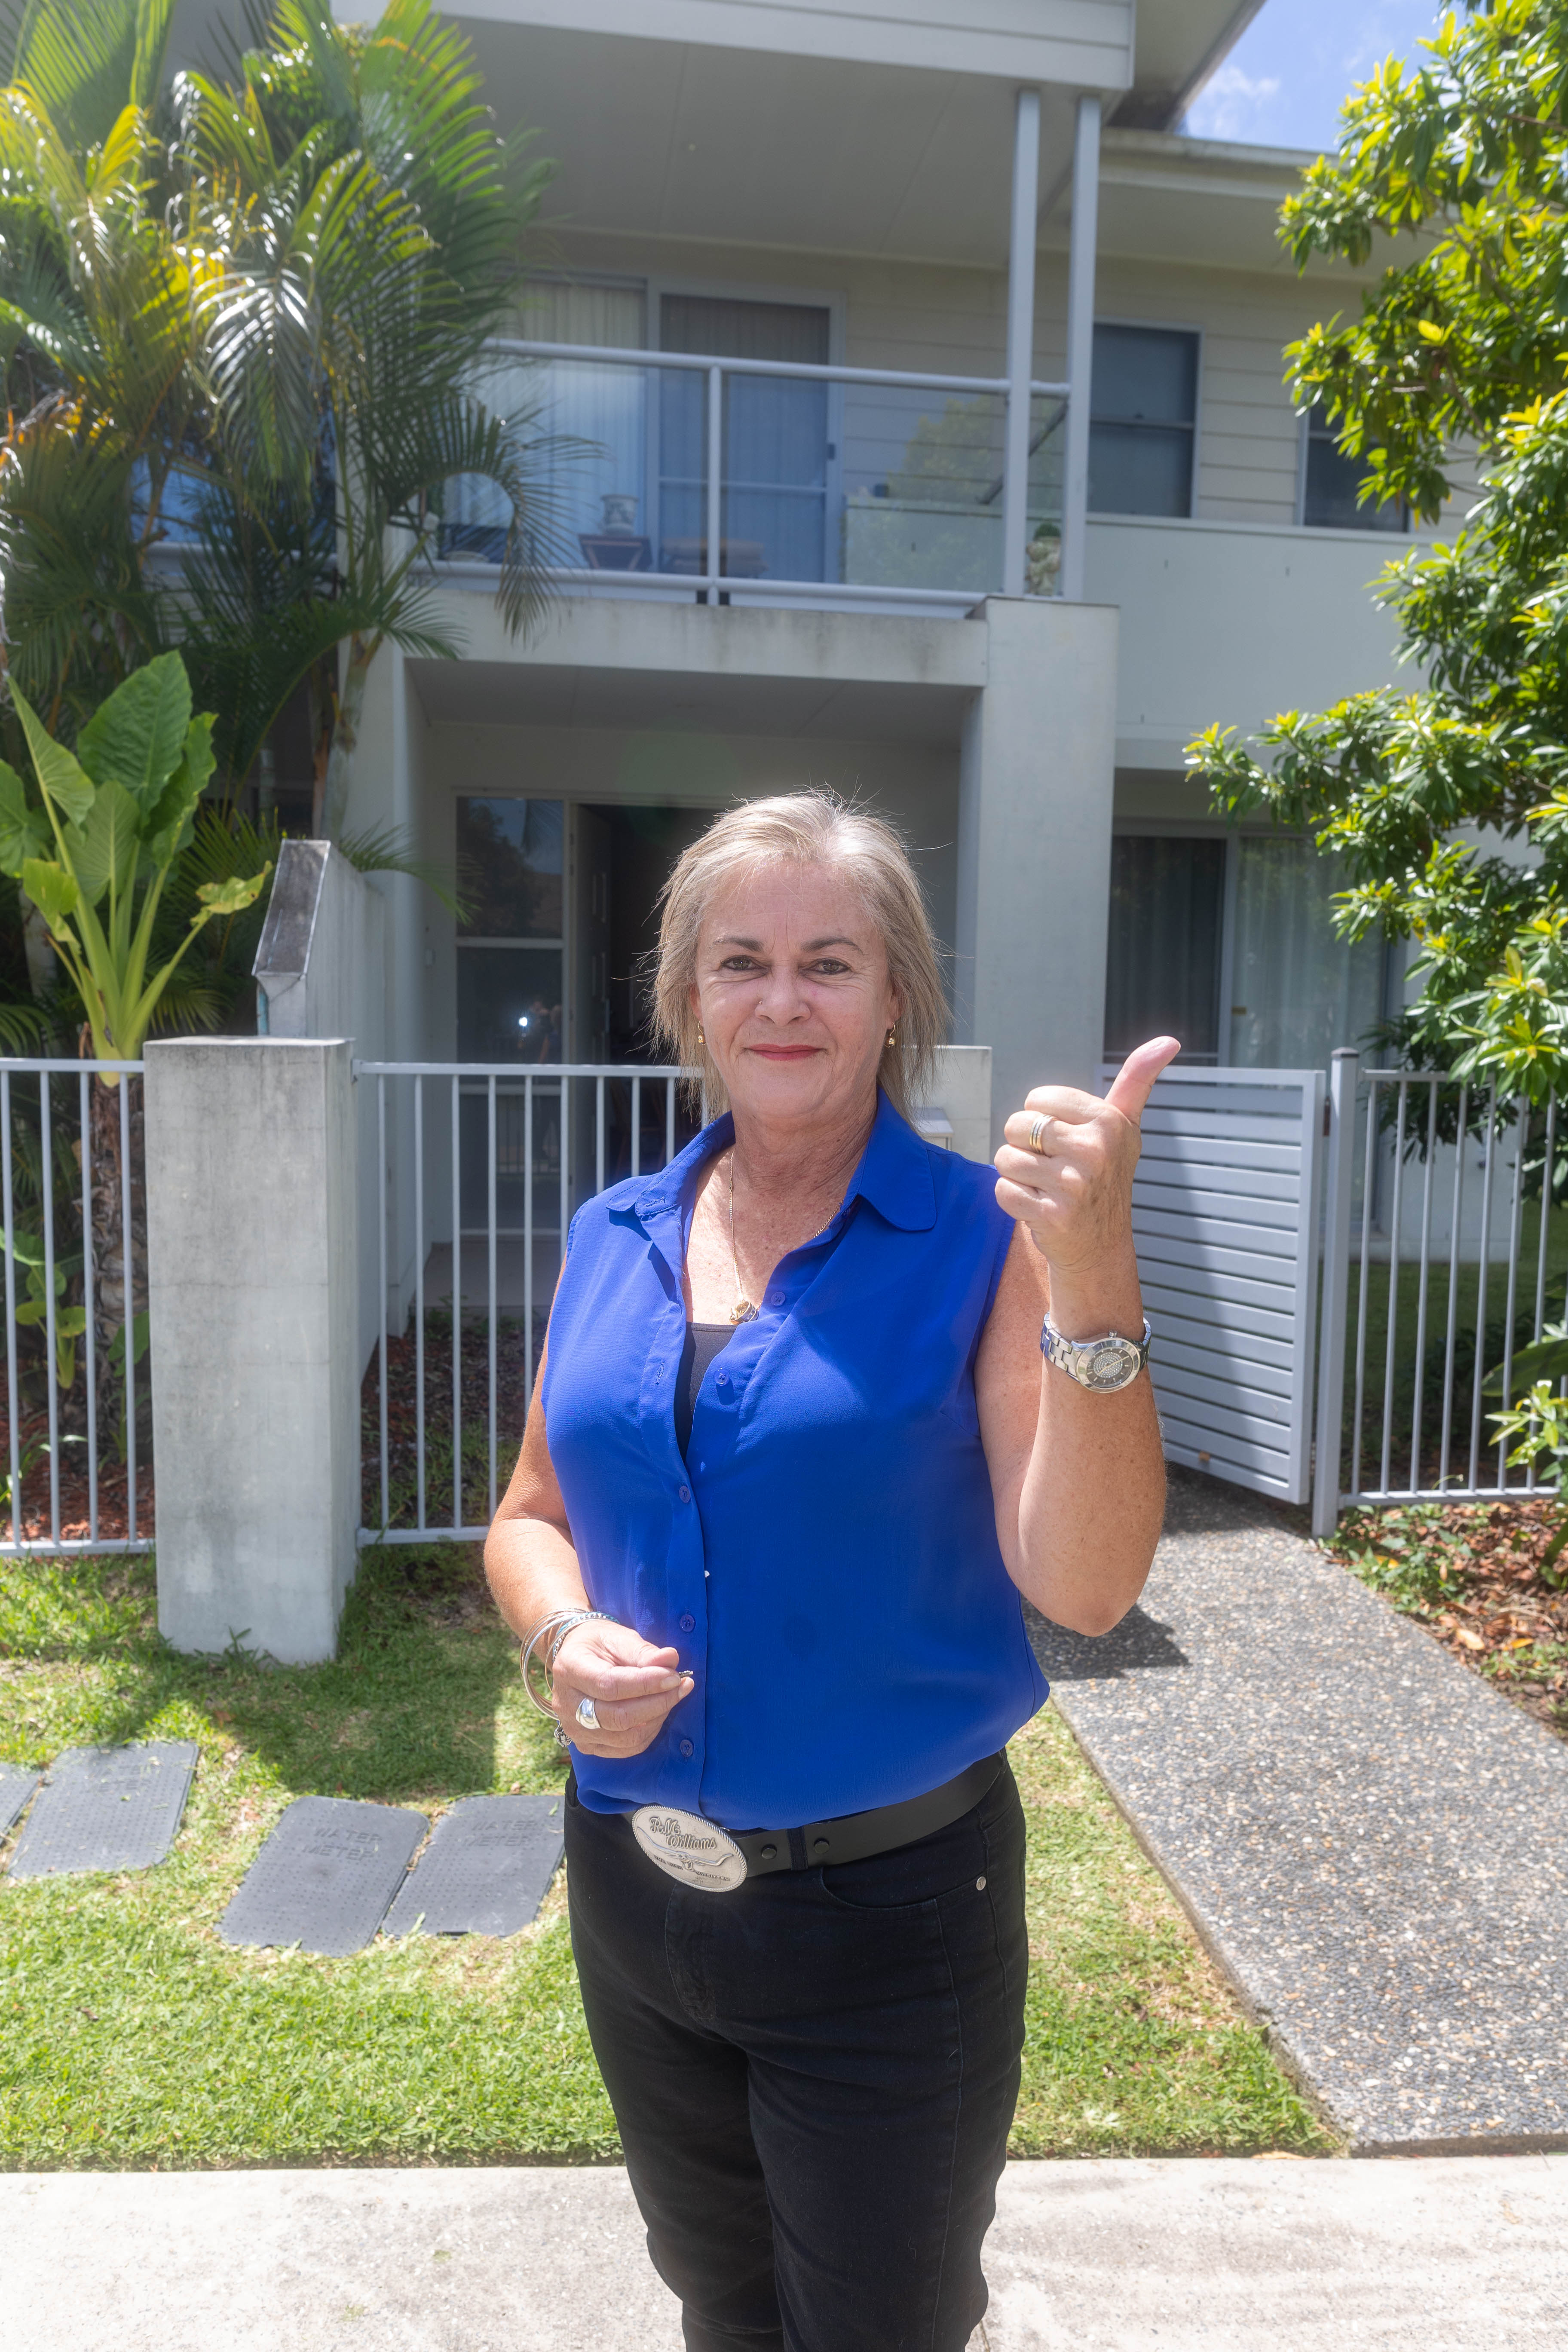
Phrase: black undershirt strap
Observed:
(703, 1343)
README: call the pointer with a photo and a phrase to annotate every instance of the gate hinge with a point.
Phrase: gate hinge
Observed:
(1328, 1107)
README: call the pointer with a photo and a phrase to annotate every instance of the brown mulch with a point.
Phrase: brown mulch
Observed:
(113, 1495)
(1472, 1573)
(402, 1423)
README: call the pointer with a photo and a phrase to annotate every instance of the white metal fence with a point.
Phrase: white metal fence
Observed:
(71, 1189)
(1441, 1258)
(480, 1171)
(1440, 1251)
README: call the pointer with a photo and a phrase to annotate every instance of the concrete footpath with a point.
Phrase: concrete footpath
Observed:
(1439, 2255)
(1372, 1841)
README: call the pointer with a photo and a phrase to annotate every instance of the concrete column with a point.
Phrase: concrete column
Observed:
(1080, 347)
(1020, 340)
(251, 1264)
(1035, 780)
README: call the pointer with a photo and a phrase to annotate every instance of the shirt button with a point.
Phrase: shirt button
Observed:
(775, 1299)
(686, 1747)
(687, 1625)
(723, 1380)
(685, 1493)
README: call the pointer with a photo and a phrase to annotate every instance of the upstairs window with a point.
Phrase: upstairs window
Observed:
(1143, 414)
(1329, 483)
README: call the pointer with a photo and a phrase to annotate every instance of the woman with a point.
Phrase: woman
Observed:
(791, 1461)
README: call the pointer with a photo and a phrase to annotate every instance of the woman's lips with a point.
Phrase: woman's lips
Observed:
(785, 1053)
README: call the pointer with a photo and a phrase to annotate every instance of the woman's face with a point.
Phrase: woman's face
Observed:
(792, 992)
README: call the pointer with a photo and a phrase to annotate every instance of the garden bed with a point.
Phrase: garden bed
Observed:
(1472, 1573)
(129, 2036)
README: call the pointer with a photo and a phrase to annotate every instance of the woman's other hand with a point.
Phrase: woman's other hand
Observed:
(632, 1684)
(1066, 1170)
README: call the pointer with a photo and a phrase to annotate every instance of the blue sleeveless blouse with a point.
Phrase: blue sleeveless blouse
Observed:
(825, 1558)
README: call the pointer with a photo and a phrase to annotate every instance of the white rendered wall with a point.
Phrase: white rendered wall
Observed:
(251, 1280)
(1235, 623)
(1034, 866)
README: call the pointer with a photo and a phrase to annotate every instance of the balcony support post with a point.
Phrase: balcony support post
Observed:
(1020, 341)
(715, 468)
(1080, 348)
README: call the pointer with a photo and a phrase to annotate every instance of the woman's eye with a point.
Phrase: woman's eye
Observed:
(739, 963)
(829, 968)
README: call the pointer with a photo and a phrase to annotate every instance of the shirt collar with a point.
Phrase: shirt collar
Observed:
(894, 1172)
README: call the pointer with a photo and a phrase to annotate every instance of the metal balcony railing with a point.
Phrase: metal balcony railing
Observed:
(763, 481)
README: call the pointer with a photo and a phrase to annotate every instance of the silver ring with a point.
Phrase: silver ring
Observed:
(1037, 1127)
(587, 1715)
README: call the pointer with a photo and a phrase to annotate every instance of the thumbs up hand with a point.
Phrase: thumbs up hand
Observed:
(1066, 1170)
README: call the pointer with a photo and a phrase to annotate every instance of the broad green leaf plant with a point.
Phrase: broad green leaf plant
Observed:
(94, 850)
(1450, 801)
(1538, 1421)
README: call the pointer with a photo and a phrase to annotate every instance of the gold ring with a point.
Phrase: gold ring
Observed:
(1037, 1127)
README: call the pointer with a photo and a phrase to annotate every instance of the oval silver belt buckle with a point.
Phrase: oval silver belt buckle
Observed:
(695, 1852)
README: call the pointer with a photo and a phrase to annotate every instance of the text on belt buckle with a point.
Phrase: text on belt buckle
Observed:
(695, 1852)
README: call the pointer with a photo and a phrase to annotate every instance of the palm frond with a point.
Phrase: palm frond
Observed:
(389, 849)
(85, 60)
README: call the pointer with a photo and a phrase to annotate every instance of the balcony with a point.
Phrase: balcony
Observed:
(685, 476)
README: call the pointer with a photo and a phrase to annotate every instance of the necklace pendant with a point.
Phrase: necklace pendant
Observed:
(743, 1311)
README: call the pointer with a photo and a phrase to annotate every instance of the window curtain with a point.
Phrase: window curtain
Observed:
(1167, 904)
(775, 436)
(600, 412)
(1298, 990)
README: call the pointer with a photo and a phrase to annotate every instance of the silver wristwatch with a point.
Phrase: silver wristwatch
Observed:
(1104, 1364)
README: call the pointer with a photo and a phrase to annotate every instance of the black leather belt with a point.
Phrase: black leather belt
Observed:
(855, 1837)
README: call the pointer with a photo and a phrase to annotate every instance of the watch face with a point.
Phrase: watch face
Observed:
(1114, 1363)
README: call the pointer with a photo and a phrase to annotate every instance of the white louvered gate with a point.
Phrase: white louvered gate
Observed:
(1224, 1214)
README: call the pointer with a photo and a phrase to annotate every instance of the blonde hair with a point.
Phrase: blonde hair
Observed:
(814, 828)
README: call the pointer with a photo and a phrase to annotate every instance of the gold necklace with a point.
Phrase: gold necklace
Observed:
(743, 1310)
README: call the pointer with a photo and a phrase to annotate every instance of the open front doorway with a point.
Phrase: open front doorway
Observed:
(561, 917)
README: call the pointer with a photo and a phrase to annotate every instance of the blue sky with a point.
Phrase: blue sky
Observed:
(1285, 81)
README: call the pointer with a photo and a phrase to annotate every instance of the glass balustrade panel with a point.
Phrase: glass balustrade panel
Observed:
(922, 489)
(588, 507)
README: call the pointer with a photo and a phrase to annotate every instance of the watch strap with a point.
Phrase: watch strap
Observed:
(1078, 1357)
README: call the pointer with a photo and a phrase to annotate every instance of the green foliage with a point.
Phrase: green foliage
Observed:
(117, 814)
(1460, 161)
(1539, 1423)
(1408, 1554)
(240, 322)
(70, 1322)
(1459, 345)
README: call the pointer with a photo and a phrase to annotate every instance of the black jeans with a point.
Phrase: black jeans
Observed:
(813, 2077)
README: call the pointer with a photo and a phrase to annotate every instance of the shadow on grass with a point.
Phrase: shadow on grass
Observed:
(409, 1705)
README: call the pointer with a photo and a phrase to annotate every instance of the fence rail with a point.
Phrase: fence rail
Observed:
(1432, 1282)
(38, 1099)
(481, 1168)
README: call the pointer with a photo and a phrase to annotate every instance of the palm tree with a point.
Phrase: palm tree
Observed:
(241, 322)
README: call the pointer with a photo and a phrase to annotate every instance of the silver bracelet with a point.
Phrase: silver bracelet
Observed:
(560, 1622)
(578, 1617)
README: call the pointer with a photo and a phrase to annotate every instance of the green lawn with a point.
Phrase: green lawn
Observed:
(129, 2036)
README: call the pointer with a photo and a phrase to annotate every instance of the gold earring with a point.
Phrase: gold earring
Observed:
(893, 1036)
(700, 1038)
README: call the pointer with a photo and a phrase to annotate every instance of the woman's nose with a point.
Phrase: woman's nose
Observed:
(779, 996)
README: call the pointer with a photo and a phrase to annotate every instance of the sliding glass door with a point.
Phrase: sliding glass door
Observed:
(775, 449)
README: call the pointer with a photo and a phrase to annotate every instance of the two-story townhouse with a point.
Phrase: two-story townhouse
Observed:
(939, 453)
